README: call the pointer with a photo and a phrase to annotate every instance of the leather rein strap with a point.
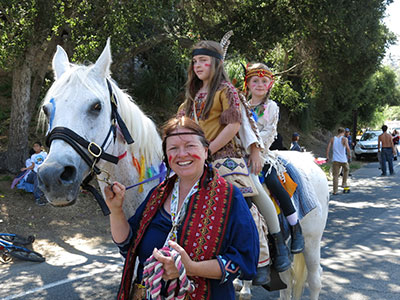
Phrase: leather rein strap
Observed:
(94, 152)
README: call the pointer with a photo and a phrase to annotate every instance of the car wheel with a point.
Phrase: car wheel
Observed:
(358, 157)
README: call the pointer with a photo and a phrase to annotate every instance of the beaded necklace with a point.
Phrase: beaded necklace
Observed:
(177, 216)
(200, 103)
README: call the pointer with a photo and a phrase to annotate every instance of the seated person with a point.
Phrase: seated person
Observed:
(20, 179)
(36, 160)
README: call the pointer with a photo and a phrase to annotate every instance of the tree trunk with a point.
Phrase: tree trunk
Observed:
(27, 82)
(20, 117)
(355, 116)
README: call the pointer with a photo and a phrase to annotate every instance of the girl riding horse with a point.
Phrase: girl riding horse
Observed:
(258, 83)
(213, 102)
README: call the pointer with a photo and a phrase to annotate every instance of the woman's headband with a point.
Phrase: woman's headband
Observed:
(204, 51)
(183, 133)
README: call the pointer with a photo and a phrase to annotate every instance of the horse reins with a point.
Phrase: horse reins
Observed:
(94, 151)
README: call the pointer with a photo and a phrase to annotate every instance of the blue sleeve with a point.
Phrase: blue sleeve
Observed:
(242, 244)
(134, 226)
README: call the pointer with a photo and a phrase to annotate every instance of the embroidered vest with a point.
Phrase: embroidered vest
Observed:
(203, 228)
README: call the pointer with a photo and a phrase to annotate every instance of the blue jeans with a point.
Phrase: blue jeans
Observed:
(32, 178)
(387, 155)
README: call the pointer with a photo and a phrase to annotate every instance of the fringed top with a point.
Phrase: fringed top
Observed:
(225, 110)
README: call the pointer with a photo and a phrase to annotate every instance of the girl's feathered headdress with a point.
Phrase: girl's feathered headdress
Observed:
(225, 43)
(260, 72)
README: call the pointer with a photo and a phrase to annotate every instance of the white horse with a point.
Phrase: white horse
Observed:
(306, 265)
(80, 101)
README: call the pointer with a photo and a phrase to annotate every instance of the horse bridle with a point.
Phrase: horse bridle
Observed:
(94, 152)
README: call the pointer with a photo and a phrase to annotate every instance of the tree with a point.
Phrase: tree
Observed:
(30, 31)
(322, 58)
(378, 92)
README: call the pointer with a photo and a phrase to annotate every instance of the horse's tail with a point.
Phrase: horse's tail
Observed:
(299, 275)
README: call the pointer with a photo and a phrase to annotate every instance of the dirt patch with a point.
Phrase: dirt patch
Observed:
(82, 223)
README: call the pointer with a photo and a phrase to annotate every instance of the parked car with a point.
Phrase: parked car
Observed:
(368, 144)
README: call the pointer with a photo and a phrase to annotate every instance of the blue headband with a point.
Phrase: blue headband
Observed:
(204, 51)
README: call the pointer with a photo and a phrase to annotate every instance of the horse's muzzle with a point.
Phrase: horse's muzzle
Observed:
(59, 183)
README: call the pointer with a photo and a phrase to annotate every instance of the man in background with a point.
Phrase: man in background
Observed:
(295, 142)
(387, 150)
(340, 146)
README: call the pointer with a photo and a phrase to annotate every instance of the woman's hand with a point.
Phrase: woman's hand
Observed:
(115, 195)
(170, 271)
(255, 160)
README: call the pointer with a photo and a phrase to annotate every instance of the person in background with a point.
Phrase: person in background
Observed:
(387, 150)
(395, 136)
(36, 160)
(340, 146)
(295, 142)
(347, 134)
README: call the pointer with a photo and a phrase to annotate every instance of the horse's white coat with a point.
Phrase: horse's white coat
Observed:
(313, 226)
(76, 89)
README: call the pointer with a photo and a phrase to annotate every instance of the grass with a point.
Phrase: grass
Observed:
(6, 178)
(354, 165)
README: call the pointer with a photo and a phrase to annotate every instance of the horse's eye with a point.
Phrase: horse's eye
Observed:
(96, 107)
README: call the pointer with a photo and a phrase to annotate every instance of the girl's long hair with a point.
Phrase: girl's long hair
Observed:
(193, 84)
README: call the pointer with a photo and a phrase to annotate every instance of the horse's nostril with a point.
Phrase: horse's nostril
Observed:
(68, 175)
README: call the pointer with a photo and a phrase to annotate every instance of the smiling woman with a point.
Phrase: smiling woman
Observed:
(180, 217)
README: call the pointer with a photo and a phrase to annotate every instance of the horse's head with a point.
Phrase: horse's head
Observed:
(78, 100)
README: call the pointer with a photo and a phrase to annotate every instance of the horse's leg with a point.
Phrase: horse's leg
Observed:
(312, 258)
(245, 292)
(286, 294)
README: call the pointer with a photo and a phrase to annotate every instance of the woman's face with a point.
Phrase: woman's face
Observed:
(259, 86)
(186, 155)
(202, 66)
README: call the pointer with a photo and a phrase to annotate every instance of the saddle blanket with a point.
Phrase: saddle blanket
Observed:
(304, 198)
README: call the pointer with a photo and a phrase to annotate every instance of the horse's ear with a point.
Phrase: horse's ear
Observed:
(102, 65)
(60, 62)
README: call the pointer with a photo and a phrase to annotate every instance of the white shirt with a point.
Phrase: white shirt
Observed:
(339, 150)
(38, 159)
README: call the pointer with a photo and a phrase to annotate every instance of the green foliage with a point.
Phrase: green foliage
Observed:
(159, 81)
(323, 58)
(392, 113)
(6, 178)
(284, 93)
(379, 91)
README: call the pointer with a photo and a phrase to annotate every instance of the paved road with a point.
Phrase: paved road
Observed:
(361, 244)
(360, 253)
(77, 272)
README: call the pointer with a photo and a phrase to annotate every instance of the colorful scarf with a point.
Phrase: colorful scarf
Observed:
(203, 228)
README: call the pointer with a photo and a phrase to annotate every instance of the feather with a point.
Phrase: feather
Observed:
(225, 42)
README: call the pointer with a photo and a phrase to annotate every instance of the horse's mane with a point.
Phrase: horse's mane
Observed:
(142, 128)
